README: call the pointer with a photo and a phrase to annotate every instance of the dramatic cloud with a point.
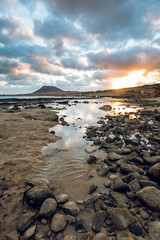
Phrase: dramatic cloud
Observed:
(87, 44)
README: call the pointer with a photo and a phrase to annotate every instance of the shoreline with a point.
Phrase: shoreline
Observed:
(21, 140)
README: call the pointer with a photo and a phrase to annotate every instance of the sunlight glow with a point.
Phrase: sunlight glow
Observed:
(131, 80)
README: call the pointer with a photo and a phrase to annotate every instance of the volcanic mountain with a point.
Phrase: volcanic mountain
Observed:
(49, 90)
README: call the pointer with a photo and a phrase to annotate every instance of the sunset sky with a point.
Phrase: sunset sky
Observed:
(78, 44)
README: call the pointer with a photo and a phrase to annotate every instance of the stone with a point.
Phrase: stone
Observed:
(62, 198)
(128, 168)
(121, 218)
(29, 233)
(98, 220)
(91, 199)
(80, 225)
(48, 208)
(152, 160)
(70, 208)
(150, 196)
(25, 221)
(154, 230)
(154, 172)
(58, 223)
(51, 117)
(119, 197)
(113, 176)
(92, 189)
(120, 187)
(70, 237)
(136, 229)
(36, 196)
(134, 186)
(103, 169)
(91, 149)
(146, 183)
(107, 183)
(100, 236)
(1, 193)
(126, 151)
(106, 108)
(132, 176)
(91, 159)
(114, 156)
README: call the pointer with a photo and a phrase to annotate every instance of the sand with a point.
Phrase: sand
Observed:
(21, 140)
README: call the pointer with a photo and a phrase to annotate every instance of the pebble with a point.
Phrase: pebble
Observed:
(71, 208)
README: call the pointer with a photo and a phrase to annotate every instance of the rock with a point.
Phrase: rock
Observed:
(150, 196)
(70, 237)
(152, 160)
(114, 156)
(91, 159)
(128, 168)
(100, 236)
(126, 151)
(131, 176)
(154, 230)
(119, 197)
(36, 196)
(71, 219)
(62, 198)
(102, 169)
(92, 189)
(58, 223)
(29, 233)
(25, 221)
(134, 186)
(91, 199)
(121, 218)
(1, 193)
(144, 214)
(145, 183)
(70, 208)
(38, 182)
(98, 220)
(48, 208)
(43, 221)
(113, 176)
(91, 149)
(80, 225)
(120, 187)
(136, 229)
(107, 183)
(51, 117)
(154, 172)
(106, 108)
(133, 142)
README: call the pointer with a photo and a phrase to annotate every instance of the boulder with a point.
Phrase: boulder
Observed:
(70, 208)
(91, 159)
(100, 236)
(106, 108)
(121, 218)
(114, 156)
(136, 229)
(48, 208)
(102, 169)
(25, 221)
(150, 196)
(29, 233)
(128, 168)
(58, 223)
(36, 195)
(80, 226)
(91, 149)
(98, 220)
(154, 172)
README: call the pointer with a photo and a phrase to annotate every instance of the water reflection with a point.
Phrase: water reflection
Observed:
(68, 155)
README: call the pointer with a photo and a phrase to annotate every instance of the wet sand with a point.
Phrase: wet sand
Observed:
(21, 140)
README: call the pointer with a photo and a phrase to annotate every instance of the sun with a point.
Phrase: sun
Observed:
(129, 81)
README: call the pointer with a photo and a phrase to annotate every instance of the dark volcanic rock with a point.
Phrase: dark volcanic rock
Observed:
(36, 196)
(80, 225)
(150, 196)
(25, 221)
(91, 159)
(136, 229)
(120, 187)
(92, 189)
(98, 220)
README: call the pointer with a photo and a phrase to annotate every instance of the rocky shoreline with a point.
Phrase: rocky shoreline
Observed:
(128, 208)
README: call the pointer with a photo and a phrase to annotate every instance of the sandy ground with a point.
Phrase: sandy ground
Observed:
(21, 140)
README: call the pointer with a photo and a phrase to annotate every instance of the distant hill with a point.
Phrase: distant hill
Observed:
(48, 90)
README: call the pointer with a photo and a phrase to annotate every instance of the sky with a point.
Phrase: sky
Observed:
(82, 45)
